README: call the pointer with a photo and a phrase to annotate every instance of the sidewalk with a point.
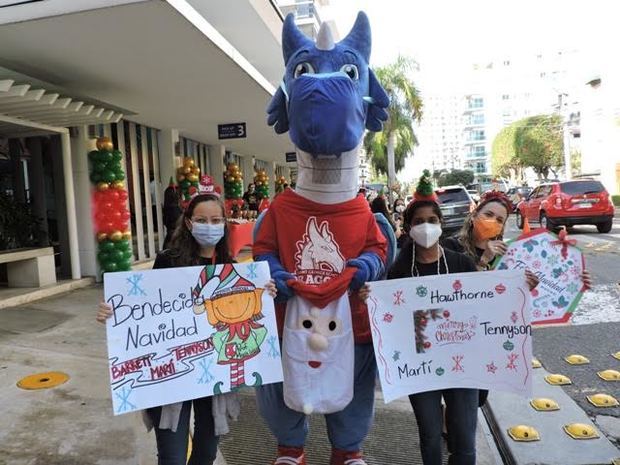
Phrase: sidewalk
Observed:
(73, 424)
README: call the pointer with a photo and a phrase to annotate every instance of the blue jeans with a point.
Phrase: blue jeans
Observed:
(461, 421)
(172, 445)
(346, 429)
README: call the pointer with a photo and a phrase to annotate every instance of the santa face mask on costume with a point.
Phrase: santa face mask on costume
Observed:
(318, 356)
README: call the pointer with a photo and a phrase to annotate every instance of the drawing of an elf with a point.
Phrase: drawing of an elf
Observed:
(233, 310)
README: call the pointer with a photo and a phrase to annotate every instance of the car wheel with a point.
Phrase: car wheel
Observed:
(519, 219)
(605, 227)
(546, 223)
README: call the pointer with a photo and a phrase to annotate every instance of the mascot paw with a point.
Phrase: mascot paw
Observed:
(308, 409)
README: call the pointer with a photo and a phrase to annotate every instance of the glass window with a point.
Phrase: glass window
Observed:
(581, 187)
(452, 195)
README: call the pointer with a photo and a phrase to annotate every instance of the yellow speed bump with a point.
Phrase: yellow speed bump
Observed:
(580, 431)
(602, 400)
(523, 433)
(536, 363)
(43, 380)
(609, 375)
(617, 357)
(558, 380)
(544, 405)
(576, 359)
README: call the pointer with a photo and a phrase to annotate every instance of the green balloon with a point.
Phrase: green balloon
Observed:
(93, 155)
(107, 246)
(125, 264)
(121, 245)
(99, 166)
(117, 155)
(120, 176)
(103, 257)
(117, 255)
(106, 157)
(95, 177)
(128, 255)
(195, 184)
(110, 266)
(108, 176)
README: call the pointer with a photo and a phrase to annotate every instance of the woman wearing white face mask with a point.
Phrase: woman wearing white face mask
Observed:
(421, 255)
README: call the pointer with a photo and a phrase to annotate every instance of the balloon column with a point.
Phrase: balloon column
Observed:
(261, 181)
(109, 199)
(280, 182)
(188, 176)
(233, 182)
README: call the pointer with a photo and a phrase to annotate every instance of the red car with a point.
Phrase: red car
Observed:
(568, 203)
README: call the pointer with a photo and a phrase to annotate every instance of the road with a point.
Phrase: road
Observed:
(602, 256)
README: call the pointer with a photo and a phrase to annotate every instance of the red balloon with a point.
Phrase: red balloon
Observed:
(108, 227)
(114, 195)
(125, 215)
(123, 195)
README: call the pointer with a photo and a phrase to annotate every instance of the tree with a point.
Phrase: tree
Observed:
(455, 177)
(505, 161)
(388, 150)
(539, 144)
(575, 162)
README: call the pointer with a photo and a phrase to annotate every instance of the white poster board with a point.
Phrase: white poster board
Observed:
(465, 330)
(185, 333)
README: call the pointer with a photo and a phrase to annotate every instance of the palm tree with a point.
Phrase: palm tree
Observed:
(388, 150)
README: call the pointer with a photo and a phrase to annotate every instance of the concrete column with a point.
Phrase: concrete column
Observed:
(80, 146)
(19, 188)
(216, 163)
(168, 161)
(247, 168)
(76, 272)
(271, 174)
(37, 189)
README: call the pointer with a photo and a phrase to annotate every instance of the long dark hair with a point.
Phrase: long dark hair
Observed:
(184, 250)
(379, 205)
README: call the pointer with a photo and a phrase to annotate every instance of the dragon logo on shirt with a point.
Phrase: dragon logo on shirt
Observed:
(318, 256)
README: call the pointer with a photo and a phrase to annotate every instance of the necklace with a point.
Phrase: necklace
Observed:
(414, 267)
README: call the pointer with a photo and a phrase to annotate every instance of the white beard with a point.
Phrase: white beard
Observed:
(328, 388)
(327, 179)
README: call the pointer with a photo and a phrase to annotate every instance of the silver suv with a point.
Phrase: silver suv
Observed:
(455, 204)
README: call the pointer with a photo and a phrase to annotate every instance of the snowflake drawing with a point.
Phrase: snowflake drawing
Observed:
(491, 368)
(398, 298)
(457, 359)
(388, 317)
(537, 313)
(421, 291)
(537, 264)
(552, 260)
(572, 288)
(134, 280)
(512, 358)
(396, 356)
(514, 317)
(252, 271)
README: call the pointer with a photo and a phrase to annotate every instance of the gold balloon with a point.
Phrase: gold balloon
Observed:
(127, 235)
(101, 237)
(258, 183)
(187, 170)
(180, 178)
(230, 179)
(116, 236)
(196, 170)
(190, 162)
(105, 144)
(103, 186)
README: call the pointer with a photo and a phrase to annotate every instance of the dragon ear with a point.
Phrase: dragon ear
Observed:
(292, 38)
(359, 37)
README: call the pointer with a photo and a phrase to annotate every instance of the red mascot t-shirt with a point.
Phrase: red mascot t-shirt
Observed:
(314, 241)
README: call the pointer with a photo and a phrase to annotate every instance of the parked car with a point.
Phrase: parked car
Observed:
(455, 204)
(475, 196)
(568, 203)
(516, 194)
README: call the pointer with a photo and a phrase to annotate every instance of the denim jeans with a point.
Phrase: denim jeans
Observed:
(172, 445)
(346, 429)
(461, 420)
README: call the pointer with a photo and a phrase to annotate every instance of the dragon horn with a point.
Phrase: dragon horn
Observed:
(292, 38)
(325, 40)
(359, 37)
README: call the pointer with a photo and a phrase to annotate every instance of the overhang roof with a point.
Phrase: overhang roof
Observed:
(161, 61)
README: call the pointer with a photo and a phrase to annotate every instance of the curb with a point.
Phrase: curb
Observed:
(42, 293)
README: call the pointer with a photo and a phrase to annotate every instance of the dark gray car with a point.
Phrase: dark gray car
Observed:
(455, 204)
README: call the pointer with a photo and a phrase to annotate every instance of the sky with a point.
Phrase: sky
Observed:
(446, 37)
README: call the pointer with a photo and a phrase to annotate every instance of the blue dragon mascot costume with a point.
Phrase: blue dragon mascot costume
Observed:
(323, 243)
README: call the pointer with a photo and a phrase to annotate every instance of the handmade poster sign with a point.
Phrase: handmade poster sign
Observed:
(558, 263)
(467, 330)
(184, 333)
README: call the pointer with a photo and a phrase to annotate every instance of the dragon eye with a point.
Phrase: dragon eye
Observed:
(303, 68)
(351, 71)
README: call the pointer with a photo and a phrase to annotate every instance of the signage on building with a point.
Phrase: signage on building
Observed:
(231, 131)
(291, 157)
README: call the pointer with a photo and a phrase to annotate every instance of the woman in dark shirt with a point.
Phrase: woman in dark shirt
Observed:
(201, 238)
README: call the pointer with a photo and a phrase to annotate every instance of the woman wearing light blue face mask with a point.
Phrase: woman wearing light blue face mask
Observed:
(200, 238)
